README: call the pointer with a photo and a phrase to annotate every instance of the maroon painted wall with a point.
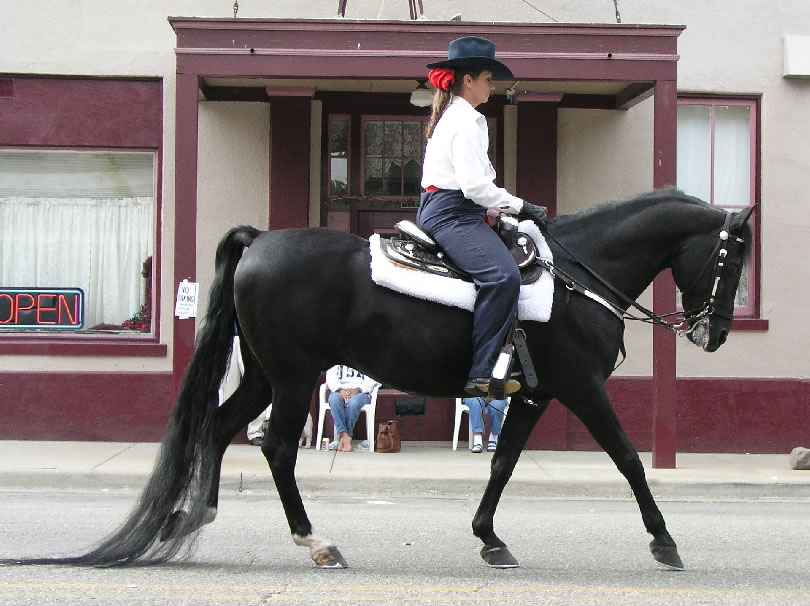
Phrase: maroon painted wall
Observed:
(105, 406)
(713, 415)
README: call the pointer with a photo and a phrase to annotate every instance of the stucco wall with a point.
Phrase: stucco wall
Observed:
(607, 155)
(233, 177)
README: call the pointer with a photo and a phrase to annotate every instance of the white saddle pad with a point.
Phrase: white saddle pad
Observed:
(534, 302)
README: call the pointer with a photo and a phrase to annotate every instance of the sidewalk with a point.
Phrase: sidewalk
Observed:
(427, 468)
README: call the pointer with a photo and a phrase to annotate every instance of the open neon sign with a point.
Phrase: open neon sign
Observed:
(49, 308)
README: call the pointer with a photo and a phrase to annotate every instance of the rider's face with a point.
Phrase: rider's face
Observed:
(477, 90)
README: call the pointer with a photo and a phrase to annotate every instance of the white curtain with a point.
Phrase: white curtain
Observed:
(96, 244)
(695, 150)
(732, 156)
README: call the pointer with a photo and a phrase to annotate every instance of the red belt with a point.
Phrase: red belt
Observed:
(431, 188)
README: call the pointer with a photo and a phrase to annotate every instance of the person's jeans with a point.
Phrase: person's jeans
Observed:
(458, 226)
(495, 409)
(345, 414)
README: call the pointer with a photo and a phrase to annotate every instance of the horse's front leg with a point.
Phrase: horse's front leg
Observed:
(517, 427)
(597, 414)
(280, 448)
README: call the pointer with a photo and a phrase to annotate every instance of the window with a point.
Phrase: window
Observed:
(718, 162)
(80, 184)
(339, 129)
(392, 156)
(80, 220)
(390, 151)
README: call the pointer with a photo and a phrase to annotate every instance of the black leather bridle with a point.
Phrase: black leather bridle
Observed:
(686, 321)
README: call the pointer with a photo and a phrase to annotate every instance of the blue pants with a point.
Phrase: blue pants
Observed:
(345, 414)
(495, 409)
(458, 226)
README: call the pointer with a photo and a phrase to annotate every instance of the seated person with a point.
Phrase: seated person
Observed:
(349, 391)
(496, 409)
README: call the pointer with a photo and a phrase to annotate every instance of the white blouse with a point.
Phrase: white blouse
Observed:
(456, 158)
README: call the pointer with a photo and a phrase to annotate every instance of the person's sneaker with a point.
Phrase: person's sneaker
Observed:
(491, 445)
(333, 445)
(256, 441)
(362, 446)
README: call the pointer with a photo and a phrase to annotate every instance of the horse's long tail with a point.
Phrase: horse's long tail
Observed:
(188, 455)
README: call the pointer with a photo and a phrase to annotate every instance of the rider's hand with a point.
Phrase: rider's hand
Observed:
(536, 213)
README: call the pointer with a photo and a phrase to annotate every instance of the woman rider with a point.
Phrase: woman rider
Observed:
(458, 183)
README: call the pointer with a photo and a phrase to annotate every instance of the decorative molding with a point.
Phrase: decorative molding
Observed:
(427, 55)
(527, 95)
(290, 91)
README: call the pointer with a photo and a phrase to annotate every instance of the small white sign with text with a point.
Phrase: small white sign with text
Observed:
(186, 304)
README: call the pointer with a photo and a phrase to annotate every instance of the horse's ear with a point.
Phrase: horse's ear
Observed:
(742, 217)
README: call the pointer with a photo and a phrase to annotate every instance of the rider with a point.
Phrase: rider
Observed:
(457, 178)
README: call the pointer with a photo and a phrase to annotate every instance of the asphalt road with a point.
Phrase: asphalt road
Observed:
(418, 549)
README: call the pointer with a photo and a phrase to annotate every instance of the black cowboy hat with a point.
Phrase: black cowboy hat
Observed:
(476, 53)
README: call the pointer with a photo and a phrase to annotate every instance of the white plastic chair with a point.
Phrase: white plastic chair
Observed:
(370, 409)
(462, 408)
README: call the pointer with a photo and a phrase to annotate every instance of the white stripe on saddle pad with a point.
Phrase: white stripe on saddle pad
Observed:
(534, 302)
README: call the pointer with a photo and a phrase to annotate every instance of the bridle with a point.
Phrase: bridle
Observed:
(719, 254)
(684, 322)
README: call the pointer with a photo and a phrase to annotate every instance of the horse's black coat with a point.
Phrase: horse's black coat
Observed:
(304, 301)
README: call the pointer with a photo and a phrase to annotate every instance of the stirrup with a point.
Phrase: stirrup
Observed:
(499, 384)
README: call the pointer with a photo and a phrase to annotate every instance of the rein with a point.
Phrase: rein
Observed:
(690, 319)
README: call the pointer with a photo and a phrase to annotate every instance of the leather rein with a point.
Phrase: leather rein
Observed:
(686, 322)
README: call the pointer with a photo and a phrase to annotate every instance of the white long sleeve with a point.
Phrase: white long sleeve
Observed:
(456, 158)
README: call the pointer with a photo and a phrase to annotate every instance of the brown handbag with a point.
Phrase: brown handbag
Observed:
(388, 437)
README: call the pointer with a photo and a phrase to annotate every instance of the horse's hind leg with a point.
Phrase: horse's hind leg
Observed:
(249, 399)
(598, 416)
(291, 401)
(516, 429)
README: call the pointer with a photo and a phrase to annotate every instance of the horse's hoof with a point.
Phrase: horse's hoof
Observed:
(498, 557)
(329, 557)
(172, 526)
(667, 555)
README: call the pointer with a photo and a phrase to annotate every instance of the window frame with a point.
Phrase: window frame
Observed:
(95, 114)
(748, 317)
(364, 119)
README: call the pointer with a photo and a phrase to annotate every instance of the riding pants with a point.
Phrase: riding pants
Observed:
(458, 225)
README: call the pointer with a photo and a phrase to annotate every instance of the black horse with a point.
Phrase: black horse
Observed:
(304, 301)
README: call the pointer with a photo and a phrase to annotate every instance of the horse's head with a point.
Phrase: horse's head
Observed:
(708, 272)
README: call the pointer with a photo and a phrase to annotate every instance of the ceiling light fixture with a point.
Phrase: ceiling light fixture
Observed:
(421, 95)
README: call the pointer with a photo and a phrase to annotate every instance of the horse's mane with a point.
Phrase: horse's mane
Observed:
(629, 203)
(626, 207)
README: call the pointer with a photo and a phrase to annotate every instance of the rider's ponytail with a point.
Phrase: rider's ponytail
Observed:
(442, 98)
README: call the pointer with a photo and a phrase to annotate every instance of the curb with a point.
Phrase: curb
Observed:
(232, 483)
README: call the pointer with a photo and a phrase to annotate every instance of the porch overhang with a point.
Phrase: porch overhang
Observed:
(600, 66)
(590, 65)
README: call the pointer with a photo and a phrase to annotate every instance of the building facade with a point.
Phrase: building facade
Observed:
(131, 141)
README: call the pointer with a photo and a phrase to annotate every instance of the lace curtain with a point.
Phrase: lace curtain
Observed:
(96, 244)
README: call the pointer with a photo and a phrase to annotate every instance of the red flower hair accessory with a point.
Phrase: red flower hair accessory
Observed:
(442, 77)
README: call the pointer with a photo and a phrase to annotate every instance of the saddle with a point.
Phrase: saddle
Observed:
(413, 248)
(417, 250)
